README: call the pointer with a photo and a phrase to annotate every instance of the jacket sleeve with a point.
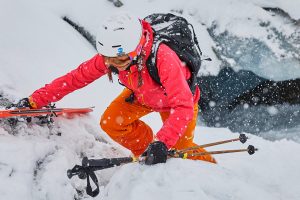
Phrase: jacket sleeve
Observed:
(180, 97)
(83, 75)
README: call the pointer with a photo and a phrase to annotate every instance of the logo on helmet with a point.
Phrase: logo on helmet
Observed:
(120, 52)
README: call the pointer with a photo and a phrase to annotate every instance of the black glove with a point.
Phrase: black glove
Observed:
(23, 103)
(156, 152)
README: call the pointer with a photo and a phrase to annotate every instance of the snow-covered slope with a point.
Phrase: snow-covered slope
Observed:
(271, 173)
(36, 45)
(34, 161)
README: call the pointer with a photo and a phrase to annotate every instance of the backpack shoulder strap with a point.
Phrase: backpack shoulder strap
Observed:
(151, 62)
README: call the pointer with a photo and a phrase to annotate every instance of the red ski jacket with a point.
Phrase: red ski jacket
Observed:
(174, 95)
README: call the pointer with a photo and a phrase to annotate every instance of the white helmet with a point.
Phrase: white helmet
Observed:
(119, 34)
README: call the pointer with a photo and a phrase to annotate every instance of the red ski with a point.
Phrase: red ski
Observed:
(26, 112)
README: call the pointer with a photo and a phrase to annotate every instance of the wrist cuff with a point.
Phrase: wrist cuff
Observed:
(32, 103)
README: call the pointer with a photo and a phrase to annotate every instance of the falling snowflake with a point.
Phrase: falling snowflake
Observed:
(172, 111)
(246, 106)
(119, 120)
(272, 110)
(212, 104)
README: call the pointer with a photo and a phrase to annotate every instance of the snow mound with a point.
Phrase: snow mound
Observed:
(268, 174)
(35, 160)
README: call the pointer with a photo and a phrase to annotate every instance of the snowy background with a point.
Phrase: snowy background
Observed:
(37, 45)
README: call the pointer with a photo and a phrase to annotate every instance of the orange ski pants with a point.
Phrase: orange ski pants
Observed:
(121, 121)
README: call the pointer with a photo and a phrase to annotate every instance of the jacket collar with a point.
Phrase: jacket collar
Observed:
(148, 32)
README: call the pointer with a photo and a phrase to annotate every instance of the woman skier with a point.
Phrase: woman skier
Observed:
(124, 43)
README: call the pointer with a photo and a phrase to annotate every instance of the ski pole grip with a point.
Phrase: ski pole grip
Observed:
(251, 149)
(243, 138)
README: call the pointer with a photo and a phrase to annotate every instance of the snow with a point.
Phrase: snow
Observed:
(36, 46)
(237, 176)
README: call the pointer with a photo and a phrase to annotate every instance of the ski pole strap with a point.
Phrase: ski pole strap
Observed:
(84, 172)
(89, 189)
(89, 166)
(92, 165)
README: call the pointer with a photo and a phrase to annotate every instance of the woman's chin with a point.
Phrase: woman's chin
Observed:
(122, 68)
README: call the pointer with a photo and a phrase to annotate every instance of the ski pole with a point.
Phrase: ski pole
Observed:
(89, 166)
(97, 164)
(242, 138)
(251, 150)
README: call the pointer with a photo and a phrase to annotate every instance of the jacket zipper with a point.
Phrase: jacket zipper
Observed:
(131, 84)
(130, 80)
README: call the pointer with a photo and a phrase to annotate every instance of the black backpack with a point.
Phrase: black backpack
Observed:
(177, 33)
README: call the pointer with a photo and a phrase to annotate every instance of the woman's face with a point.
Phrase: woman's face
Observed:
(120, 62)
